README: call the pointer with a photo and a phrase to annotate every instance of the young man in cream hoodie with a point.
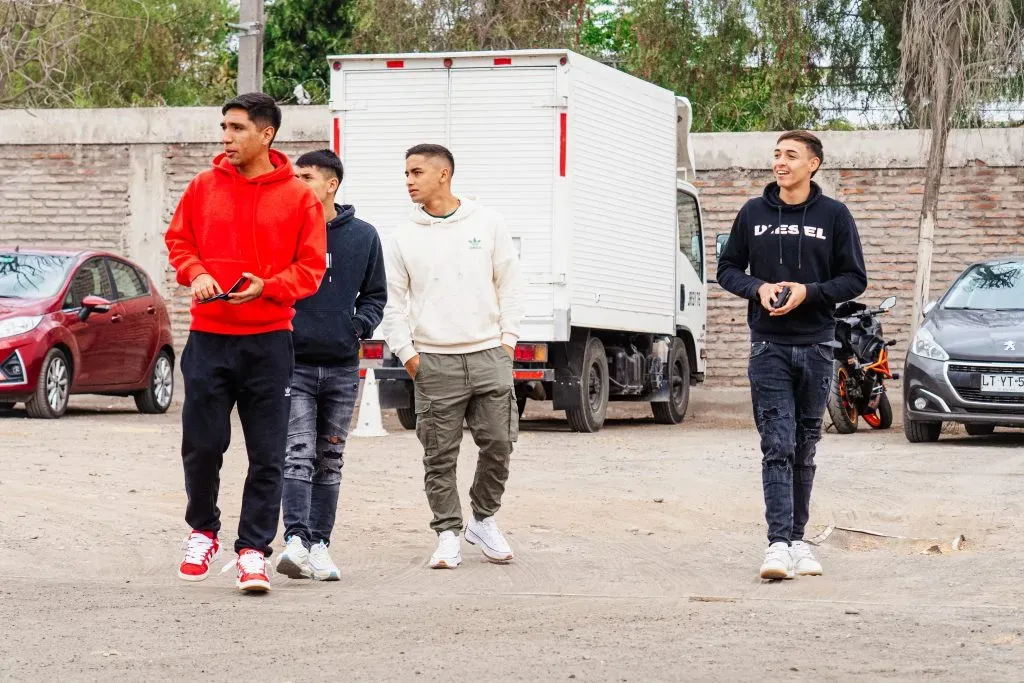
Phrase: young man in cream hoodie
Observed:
(455, 302)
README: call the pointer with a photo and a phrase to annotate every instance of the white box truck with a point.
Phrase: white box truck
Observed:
(592, 170)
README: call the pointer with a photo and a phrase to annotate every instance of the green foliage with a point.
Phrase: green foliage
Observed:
(299, 36)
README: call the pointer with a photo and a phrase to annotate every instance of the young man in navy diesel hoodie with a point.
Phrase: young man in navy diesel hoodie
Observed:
(792, 238)
(328, 328)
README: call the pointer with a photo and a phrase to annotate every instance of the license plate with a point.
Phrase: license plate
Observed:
(1005, 384)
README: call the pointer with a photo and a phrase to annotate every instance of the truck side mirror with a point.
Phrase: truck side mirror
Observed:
(720, 241)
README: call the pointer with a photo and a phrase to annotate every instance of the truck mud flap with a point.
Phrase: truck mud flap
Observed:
(566, 390)
(396, 393)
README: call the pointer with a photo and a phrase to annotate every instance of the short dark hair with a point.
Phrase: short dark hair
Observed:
(324, 159)
(436, 151)
(809, 139)
(262, 109)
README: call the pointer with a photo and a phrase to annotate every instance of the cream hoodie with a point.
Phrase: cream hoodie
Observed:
(454, 284)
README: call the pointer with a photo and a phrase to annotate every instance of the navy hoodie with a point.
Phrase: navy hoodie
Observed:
(350, 302)
(815, 243)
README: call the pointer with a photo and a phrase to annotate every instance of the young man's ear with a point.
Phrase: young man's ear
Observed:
(333, 184)
(267, 135)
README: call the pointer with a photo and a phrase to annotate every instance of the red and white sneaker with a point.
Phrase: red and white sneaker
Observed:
(201, 548)
(252, 571)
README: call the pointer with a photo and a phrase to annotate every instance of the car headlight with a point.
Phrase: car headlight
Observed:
(12, 327)
(924, 345)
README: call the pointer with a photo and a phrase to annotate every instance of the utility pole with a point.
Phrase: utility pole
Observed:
(250, 46)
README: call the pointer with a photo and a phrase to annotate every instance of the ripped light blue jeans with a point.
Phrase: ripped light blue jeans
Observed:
(323, 399)
(789, 387)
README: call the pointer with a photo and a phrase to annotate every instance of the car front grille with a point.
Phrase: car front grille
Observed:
(966, 381)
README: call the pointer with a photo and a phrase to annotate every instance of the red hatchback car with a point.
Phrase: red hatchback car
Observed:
(81, 323)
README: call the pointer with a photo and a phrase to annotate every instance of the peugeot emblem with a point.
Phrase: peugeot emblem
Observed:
(1009, 345)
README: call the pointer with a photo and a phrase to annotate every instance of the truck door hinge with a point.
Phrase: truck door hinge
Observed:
(559, 279)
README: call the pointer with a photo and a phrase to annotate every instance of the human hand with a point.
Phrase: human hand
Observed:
(252, 292)
(510, 350)
(205, 287)
(767, 293)
(412, 366)
(797, 295)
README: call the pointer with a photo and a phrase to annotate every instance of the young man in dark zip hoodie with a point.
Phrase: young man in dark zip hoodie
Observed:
(792, 237)
(328, 327)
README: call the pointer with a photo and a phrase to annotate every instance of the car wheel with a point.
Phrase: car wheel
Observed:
(921, 432)
(882, 417)
(594, 389)
(50, 399)
(979, 430)
(840, 407)
(673, 411)
(407, 417)
(156, 398)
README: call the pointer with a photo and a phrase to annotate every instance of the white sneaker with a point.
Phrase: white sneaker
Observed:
(804, 561)
(778, 562)
(294, 561)
(321, 566)
(485, 534)
(449, 551)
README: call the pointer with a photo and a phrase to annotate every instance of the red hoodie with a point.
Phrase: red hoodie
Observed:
(272, 226)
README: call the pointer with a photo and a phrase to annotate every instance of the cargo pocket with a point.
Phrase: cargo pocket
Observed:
(426, 429)
(513, 416)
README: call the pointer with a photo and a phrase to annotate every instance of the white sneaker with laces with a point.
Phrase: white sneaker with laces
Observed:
(778, 562)
(321, 566)
(804, 561)
(294, 561)
(449, 551)
(486, 534)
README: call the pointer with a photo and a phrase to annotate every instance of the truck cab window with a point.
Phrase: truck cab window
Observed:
(689, 230)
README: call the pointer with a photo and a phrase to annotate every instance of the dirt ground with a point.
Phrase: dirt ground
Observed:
(636, 557)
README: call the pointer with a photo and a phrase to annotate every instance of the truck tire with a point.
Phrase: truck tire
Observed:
(50, 399)
(407, 417)
(979, 430)
(593, 410)
(921, 432)
(673, 411)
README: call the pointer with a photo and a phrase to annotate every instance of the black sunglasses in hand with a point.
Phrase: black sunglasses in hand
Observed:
(224, 296)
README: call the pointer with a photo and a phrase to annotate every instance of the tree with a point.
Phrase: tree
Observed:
(114, 52)
(958, 54)
(299, 36)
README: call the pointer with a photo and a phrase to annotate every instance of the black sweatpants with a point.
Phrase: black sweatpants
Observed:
(254, 372)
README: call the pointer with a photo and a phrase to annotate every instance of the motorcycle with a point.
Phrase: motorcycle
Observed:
(861, 368)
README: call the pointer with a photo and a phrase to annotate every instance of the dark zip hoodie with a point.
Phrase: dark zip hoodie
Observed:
(350, 302)
(815, 243)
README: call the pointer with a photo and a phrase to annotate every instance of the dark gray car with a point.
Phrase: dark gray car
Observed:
(966, 363)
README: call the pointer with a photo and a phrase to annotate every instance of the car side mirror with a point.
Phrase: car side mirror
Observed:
(720, 241)
(887, 303)
(93, 304)
(929, 307)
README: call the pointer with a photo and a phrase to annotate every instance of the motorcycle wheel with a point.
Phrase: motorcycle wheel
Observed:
(840, 408)
(882, 417)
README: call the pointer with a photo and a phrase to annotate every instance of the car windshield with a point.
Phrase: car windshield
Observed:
(989, 287)
(32, 276)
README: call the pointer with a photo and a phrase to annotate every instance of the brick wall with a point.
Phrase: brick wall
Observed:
(110, 179)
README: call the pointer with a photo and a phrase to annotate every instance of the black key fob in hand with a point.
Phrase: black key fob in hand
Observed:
(783, 297)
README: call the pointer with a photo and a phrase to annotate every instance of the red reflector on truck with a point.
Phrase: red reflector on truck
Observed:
(528, 374)
(336, 140)
(563, 125)
(371, 350)
(396, 64)
(502, 61)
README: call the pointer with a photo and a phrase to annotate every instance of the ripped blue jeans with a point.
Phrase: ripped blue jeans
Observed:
(323, 399)
(789, 386)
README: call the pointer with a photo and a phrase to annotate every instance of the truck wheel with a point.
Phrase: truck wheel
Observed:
(921, 432)
(407, 416)
(50, 399)
(840, 407)
(589, 417)
(979, 430)
(673, 411)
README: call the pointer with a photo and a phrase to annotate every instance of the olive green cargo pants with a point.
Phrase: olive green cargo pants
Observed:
(477, 388)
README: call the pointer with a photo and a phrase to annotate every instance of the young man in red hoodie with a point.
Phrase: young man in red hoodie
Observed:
(249, 238)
